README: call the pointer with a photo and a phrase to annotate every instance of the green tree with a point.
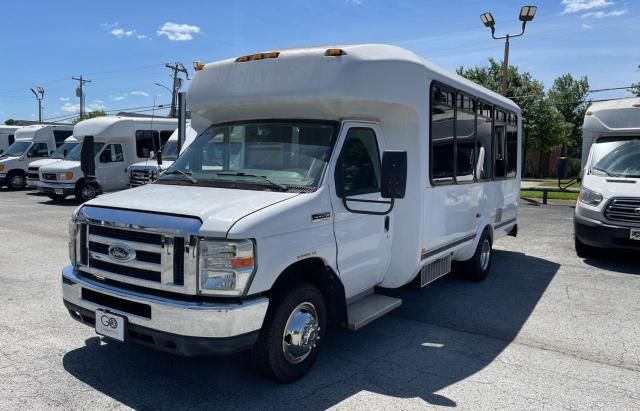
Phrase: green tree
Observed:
(569, 96)
(10, 122)
(91, 114)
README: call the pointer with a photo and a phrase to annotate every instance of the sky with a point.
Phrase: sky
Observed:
(122, 46)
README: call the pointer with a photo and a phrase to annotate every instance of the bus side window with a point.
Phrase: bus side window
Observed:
(512, 145)
(499, 154)
(442, 136)
(483, 142)
(465, 138)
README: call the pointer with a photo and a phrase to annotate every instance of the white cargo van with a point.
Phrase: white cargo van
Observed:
(325, 174)
(7, 137)
(148, 171)
(119, 142)
(31, 143)
(60, 154)
(607, 214)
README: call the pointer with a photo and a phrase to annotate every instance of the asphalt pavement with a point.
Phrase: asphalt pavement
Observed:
(546, 329)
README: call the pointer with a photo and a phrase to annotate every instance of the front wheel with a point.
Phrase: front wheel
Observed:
(16, 181)
(292, 334)
(86, 191)
(477, 268)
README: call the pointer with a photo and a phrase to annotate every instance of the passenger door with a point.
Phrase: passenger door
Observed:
(111, 171)
(363, 240)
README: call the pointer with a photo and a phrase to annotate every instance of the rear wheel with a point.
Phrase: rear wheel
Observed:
(86, 191)
(291, 335)
(57, 197)
(16, 181)
(477, 268)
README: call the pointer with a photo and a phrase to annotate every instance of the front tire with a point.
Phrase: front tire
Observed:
(292, 334)
(86, 191)
(16, 181)
(478, 267)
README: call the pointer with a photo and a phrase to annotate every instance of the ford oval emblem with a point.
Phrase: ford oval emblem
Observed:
(121, 252)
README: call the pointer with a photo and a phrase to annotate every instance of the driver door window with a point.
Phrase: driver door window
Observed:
(112, 154)
(38, 150)
(358, 168)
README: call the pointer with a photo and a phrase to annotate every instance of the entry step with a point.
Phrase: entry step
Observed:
(369, 308)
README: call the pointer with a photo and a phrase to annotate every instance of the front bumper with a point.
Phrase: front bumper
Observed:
(182, 327)
(50, 188)
(32, 182)
(595, 233)
(3, 179)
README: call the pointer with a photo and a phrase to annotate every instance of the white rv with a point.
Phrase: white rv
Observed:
(60, 154)
(607, 214)
(324, 174)
(148, 171)
(119, 142)
(7, 137)
(31, 143)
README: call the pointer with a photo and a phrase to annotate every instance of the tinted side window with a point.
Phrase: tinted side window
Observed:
(442, 135)
(465, 138)
(12, 139)
(61, 135)
(112, 154)
(164, 137)
(38, 150)
(483, 142)
(512, 145)
(358, 167)
(499, 137)
(146, 142)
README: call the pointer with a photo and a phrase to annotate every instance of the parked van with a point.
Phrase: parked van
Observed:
(148, 171)
(607, 214)
(65, 149)
(31, 143)
(119, 142)
(7, 137)
(325, 174)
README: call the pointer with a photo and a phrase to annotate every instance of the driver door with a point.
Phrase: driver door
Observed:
(363, 240)
(111, 171)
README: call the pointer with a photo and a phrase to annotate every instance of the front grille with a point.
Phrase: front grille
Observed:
(624, 209)
(32, 173)
(143, 256)
(178, 261)
(49, 176)
(139, 177)
(125, 270)
(126, 235)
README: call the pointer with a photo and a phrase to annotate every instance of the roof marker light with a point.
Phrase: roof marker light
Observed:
(258, 56)
(335, 52)
(197, 66)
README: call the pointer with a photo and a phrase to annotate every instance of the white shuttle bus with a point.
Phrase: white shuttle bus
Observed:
(324, 174)
(31, 143)
(7, 137)
(119, 142)
(60, 154)
(607, 214)
(148, 171)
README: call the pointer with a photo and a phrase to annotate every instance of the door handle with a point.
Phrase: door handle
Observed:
(386, 223)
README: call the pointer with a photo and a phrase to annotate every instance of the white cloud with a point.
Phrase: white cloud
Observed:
(139, 94)
(98, 101)
(70, 108)
(95, 106)
(64, 99)
(573, 6)
(178, 32)
(119, 32)
(603, 14)
(109, 25)
(353, 2)
(118, 97)
(586, 26)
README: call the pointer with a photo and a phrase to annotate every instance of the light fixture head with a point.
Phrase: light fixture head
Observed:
(527, 13)
(487, 19)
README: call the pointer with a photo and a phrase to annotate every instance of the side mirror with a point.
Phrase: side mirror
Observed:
(393, 177)
(562, 165)
(159, 157)
(87, 158)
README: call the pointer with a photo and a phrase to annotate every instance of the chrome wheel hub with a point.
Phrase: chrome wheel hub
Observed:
(301, 333)
(17, 181)
(485, 254)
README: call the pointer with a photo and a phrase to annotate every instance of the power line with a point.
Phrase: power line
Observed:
(80, 92)
(130, 109)
(588, 92)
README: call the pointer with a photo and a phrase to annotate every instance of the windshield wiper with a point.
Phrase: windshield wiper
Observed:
(182, 173)
(607, 172)
(272, 183)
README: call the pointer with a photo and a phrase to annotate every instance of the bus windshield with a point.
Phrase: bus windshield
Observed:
(258, 155)
(17, 149)
(170, 150)
(76, 152)
(63, 150)
(616, 157)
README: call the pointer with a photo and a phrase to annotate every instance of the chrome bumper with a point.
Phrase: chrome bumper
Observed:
(190, 319)
(32, 182)
(49, 188)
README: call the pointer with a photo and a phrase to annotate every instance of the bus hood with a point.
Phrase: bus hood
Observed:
(43, 162)
(61, 166)
(217, 208)
(611, 187)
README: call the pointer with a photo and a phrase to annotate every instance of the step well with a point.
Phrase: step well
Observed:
(369, 308)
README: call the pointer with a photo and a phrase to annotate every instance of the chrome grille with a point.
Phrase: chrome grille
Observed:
(139, 177)
(49, 176)
(130, 251)
(32, 173)
(623, 209)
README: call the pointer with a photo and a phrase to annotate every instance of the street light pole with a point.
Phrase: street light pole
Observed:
(39, 93)
(527, 13)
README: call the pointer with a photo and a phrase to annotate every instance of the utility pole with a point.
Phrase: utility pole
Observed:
(80, 93)
(39, 93)
(176, 67)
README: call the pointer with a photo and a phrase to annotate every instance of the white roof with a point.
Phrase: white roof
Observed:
(614, 115)
(120, 128)
(9, 128)
(304, 83)
(29, 132)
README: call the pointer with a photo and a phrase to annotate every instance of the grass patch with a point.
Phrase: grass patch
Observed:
(554, 184)
(552, 196)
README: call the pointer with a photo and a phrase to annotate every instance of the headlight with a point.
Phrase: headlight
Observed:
(72, 241)
(225, 266)
(65, 176)
(590, 197)
(1, 167)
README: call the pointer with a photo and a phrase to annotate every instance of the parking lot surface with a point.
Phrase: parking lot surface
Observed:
(546, 329)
